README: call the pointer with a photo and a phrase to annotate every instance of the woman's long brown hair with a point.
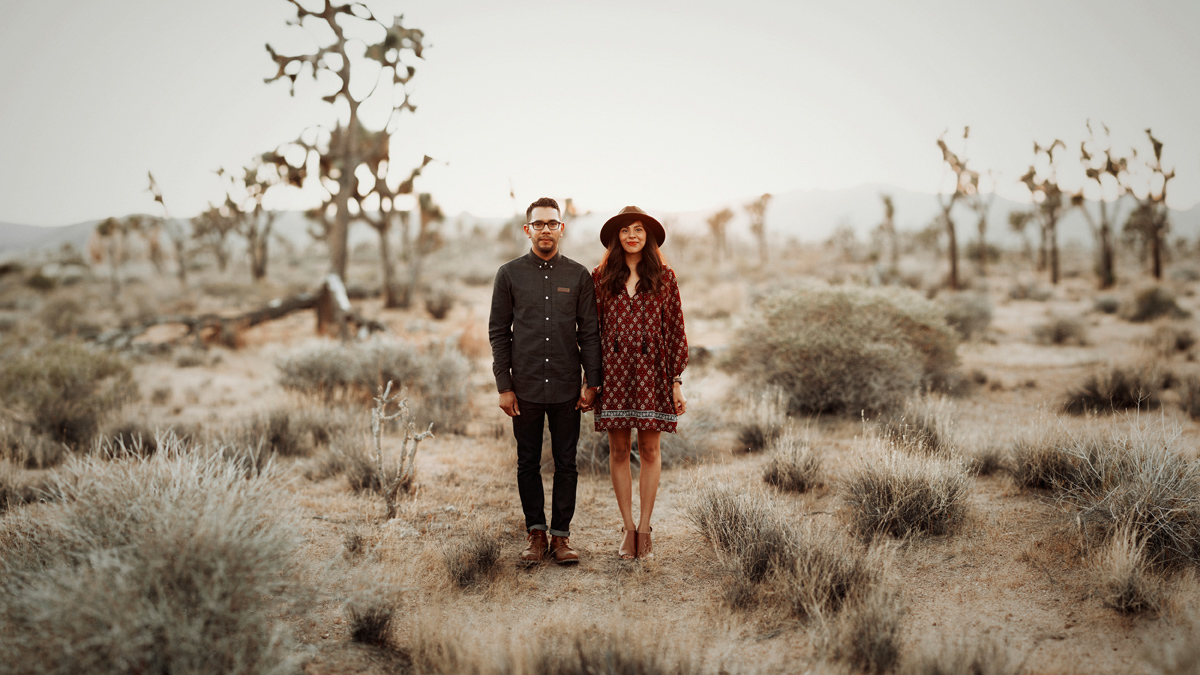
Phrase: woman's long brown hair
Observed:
(614, 272)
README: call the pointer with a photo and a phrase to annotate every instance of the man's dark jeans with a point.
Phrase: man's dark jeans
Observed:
(564, 437)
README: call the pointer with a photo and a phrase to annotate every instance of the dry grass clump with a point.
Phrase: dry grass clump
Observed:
(963, 654)
(1170, 339)
(1029, 290)
(66, 389)
(1060, 330)
(1150, 303)
(177, 562)
(808, 572)
(867, 634)
(1055, 459)
(1116, 387)
(1139, 483)
(969, 313)
(1123, 577)
(439, 301)
(371, 622)
(925, 426)
(589, 649)
(762, 418)
(473, 558)
(845, 349)
(795, 466)
(1106, 304)
(437, 376)
(19, 445)
(1189, 396)
(900, 495)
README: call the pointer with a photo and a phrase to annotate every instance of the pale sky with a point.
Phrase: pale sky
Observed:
(673, 105)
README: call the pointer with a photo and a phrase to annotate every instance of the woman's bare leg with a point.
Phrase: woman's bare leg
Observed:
(651, 469)
(619, 446)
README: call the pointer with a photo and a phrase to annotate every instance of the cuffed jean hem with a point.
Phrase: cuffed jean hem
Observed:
(553, 533)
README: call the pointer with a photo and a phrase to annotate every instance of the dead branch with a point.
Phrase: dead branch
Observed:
(402, 478)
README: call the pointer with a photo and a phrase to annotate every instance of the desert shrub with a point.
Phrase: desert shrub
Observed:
(436, 378)
(963, 654)
(845, 350)
(590, 649)
(867, 635)
(795, 466)
(16, 490)
(21, 446)
(471, 559)
(189, 358)
(744, 528)
(830, 573)
(1107, 304)
(1055, 459)
(127, 435)
(1189, 396)
(281, 431)
(1029, 290)
(1169, 339)
(371, 622)
(1149, 303)
(901, 495)
(172, 563)
(925, 426)
(987, 460)
(439, 301)
(1116, 387)
(67, 389)
(1060, 330)
(64, 316)
(1123, 578)
(1137, 483)
(968, 313)
(762, 418)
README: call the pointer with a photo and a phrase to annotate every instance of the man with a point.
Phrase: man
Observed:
(543, 329)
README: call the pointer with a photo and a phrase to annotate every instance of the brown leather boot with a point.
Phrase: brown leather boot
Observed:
(560, 548)
(536, 551)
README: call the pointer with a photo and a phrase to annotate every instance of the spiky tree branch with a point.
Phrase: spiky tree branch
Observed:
(966, 184)
(1048, 202)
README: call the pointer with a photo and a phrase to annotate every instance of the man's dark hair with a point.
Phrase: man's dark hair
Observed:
(544, 201)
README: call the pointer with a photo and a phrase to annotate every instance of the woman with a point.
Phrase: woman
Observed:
(645, 351)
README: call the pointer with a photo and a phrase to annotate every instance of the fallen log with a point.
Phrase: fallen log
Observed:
(215, 328)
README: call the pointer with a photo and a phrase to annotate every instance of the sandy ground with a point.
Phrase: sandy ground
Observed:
(1014, 570)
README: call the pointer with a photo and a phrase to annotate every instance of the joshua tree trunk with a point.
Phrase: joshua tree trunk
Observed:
(952, 247)
(390, 299)
(1052, 235)
(1104, 264)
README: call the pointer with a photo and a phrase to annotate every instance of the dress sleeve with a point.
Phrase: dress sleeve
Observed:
(674, 337)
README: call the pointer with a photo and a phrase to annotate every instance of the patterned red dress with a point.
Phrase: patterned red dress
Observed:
(644, 347)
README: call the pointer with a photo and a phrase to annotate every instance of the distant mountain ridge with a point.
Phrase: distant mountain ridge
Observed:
(805, 215)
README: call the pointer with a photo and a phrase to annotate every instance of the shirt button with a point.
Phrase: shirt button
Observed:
(547, 360)
(547, 380)
(547, 339)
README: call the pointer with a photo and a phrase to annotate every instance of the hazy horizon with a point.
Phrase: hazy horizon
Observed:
(682, 106)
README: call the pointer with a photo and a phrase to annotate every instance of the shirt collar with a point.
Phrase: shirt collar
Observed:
(533, 258)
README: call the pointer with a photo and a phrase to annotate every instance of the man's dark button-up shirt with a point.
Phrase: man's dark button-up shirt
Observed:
(543, 328)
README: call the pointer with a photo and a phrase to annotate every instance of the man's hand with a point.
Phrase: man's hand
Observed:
(508, 403)
(678, 399)
(587, 399)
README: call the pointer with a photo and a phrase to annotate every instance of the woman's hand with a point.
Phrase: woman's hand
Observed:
(677, 397)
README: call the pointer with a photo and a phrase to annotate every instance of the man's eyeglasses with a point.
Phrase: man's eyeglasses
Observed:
(539, 225)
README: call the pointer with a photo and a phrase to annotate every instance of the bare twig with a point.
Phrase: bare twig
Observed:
(402, 478)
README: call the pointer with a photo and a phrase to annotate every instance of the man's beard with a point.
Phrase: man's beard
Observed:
(546, 244)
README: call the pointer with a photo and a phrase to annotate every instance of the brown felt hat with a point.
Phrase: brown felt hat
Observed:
(628, 215)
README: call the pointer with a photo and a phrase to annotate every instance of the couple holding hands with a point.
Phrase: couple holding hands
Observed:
(566, 341)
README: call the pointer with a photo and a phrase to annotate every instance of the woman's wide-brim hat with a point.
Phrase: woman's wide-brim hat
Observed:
(628, 215)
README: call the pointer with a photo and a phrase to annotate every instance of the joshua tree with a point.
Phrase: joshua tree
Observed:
(112, 232)
(888, 227)
(175, 232)
(428, 238)
(1150, 219)
(966, 185)
(1017, 220)
(244, 202)
(341, 151)
(1048, 202)
(717, 224)
(212, 227)
(982, 206)
(757, 210)
(1104, 171)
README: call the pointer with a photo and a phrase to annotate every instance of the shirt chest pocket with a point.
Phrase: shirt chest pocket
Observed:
(566, 302)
